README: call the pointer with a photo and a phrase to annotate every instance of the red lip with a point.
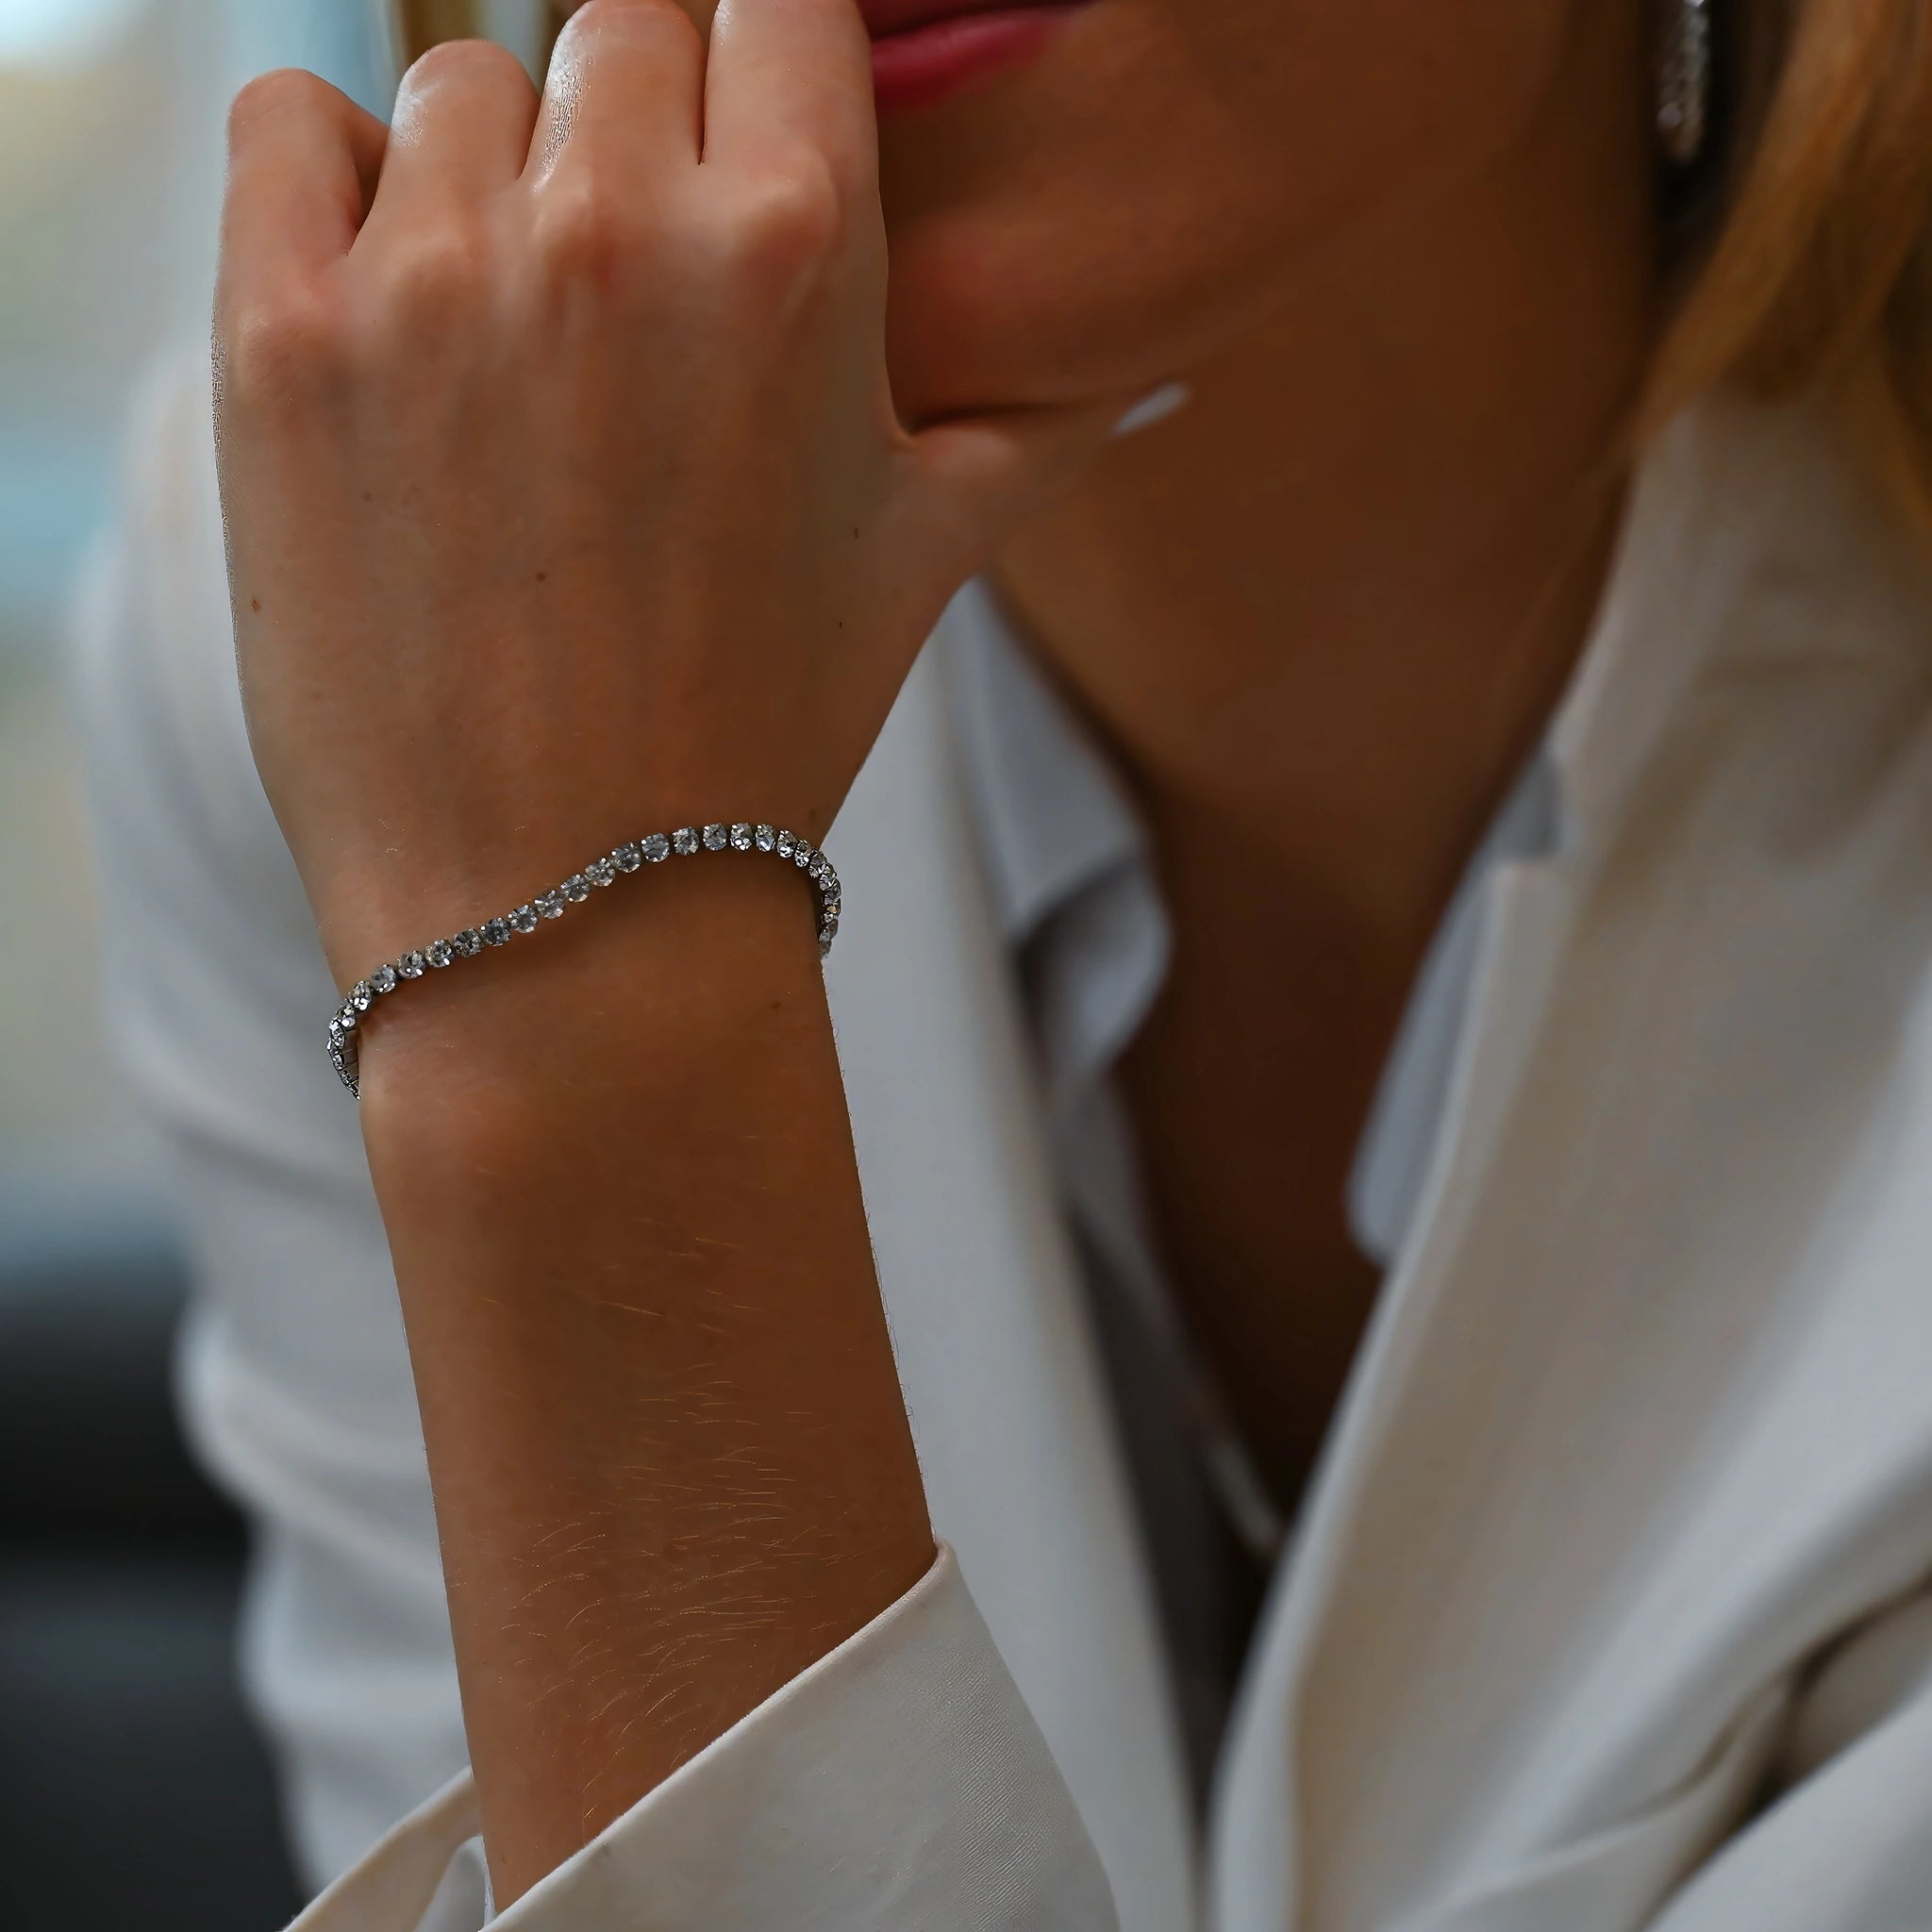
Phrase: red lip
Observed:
(923, 50)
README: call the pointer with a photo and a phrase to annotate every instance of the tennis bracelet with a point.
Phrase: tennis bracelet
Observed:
(345, 1025)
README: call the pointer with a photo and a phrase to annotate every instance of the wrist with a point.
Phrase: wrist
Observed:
(672, 975)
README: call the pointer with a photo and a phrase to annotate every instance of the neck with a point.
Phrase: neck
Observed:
(1333, 600)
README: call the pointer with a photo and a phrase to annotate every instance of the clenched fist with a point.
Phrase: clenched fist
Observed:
(564, 489)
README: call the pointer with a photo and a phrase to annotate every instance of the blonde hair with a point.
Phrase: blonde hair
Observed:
(1818, 271)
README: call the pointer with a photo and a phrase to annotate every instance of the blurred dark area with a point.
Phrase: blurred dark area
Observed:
(134, 1791)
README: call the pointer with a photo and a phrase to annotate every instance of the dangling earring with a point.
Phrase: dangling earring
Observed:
(1683, 94)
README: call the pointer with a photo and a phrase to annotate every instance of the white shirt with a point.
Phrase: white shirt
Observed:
(1625, 1518)
(1082, 914)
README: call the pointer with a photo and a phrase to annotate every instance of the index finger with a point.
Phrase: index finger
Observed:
(786, 74)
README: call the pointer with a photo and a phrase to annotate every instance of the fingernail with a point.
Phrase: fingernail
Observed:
(1154, 409)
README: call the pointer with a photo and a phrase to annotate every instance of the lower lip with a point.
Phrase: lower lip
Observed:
(927, 64)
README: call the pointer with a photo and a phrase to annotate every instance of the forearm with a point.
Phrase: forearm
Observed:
(670, 1456)
(565, 492)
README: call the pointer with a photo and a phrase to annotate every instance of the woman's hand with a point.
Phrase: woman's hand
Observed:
(566, 500)
(564, 490)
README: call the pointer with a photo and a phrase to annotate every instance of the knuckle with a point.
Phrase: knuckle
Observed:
(286, 89)
(463, 64)
(279, 351)
(432, 274)
(594, 18)
(586, 230)
(788, 226)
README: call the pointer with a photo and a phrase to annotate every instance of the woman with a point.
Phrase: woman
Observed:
(1384, 984)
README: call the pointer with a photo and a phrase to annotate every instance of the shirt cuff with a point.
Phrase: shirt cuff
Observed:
(900, 1784)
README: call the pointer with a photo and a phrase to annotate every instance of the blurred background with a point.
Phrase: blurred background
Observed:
(132, 1790)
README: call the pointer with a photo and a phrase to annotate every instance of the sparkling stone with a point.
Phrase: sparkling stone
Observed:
(766, 838)
(786, 842)
(551, 904)
(469, 942)
(601, 871)
(716, 838)
(363, 997)
(496, 933)
(525, 918)
(576, 889)
(821, 867)
(657, 848)
(412, 965)
(803, 854)
(346, 1019)
(830, 907)
(438, 951)
(741, 837)
(627, 857)
(683, 842)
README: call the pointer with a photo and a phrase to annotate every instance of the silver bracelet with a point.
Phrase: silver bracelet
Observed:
(345, 1025)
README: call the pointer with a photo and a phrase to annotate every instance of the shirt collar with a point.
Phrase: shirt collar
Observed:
(1053, 818)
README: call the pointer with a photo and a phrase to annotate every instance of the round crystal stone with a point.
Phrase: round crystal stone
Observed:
(469, 942)
(683, 842)
(346, 1019)
(765, 838)
(741, 837)
(785, 843)
(525, 918)
(496, 933)
(830, 907)
(601, 871)
(821, 867)
(576, 889)
(363, 997)
(412, 965)
(802, 854)
(626, 858)
(383, 979)
(438, 951)
(657, 848)
(551, 904)
(716, 838)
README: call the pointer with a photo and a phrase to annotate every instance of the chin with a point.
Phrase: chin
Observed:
(1163, 175)
(1069, 286)
(1028, 263)
(992, 310)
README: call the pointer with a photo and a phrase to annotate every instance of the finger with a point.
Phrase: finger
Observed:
(461, 130)
(978, 478)
(791, 73)
(625, 92)
(302, 162)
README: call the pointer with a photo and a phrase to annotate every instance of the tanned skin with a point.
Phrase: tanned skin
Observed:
(598, 459)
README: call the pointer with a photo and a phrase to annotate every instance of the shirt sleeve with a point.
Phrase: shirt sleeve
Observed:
(900, 1782)
(293, 1371)
(1843, 1841)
